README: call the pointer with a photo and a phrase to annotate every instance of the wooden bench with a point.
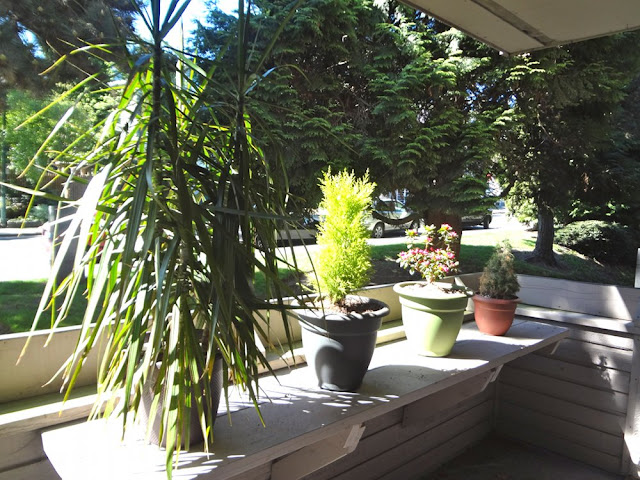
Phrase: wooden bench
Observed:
(406, 402)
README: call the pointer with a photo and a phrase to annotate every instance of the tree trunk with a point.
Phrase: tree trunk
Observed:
(543, 252)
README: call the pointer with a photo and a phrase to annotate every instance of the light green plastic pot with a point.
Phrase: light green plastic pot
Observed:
(432, 317)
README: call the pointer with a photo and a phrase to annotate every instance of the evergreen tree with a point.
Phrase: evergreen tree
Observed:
(387, 90)
(34, 34)
(563, 102)
(617, 177)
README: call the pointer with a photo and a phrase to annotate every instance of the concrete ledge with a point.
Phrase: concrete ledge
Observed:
(46, 410)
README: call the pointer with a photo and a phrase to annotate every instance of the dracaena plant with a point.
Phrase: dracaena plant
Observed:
(180, 187)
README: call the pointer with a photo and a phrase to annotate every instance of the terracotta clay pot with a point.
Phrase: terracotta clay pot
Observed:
(494, 316)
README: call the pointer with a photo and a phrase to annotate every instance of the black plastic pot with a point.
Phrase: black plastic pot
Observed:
(195, 430)
(339, 346)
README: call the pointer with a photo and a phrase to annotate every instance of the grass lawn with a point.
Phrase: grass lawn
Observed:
(19, 300)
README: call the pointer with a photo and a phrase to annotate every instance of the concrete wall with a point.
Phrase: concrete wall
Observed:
(32, 375)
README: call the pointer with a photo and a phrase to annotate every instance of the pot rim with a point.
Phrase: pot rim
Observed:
(321, 313)
(484, 298)
(404, 289)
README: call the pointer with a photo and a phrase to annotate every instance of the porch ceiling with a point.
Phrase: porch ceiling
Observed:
(517, 26)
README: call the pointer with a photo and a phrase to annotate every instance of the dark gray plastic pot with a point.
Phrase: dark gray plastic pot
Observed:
(195, 430)
(338, 346)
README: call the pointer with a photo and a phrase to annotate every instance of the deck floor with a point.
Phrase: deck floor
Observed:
(497, 458)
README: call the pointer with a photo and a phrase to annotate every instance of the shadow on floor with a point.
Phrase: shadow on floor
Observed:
(498, 458)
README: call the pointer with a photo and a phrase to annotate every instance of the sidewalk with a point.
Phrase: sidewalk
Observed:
(20, 232)
(24, 255)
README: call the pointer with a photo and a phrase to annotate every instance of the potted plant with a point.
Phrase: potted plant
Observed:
(339, 330)
(432, 311)
(496, 301)
(159, 242)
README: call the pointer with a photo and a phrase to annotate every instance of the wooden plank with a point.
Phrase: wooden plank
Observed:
(562, 317)
(607, 401)
(631, 458)
(550, 405)
(261, 472)
(430, 461)
(588, 437)
(382, 422)
(313, 457)
(20, 449)
(594, 299)
(425, 411)
(590, 376)
(399, 454)
(42, 470)
(562, 446)
(582, 353)
(377, 445)
(612, 340)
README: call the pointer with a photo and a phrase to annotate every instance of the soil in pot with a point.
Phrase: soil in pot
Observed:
(339, 344)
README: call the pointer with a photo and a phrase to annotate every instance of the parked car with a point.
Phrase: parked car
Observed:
(303, 227)
(482, 218)
(393, 210)
(299, 228)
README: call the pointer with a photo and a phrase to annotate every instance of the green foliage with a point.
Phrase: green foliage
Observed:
(34, 34)
(436, 259)
(604, 241)
(343, 263)
(86, 110)
(179, 185)
(373, 85)
(498, 279)
(560, 104)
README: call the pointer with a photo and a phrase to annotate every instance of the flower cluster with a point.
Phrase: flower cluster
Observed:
(436, 259)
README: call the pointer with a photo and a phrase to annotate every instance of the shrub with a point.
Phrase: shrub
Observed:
(606, 242)
(437, 259)
(499, 279)
(343, 263)
(39, 213)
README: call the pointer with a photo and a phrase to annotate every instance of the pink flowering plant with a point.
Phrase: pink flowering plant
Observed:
(436, 259)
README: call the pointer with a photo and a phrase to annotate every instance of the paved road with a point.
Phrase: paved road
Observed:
(27, 257)
(24, 257)
(500, 221)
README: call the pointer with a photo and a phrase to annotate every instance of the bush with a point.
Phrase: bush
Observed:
(606, 242)
(343, 263)
(39, 213)
(499, 279)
